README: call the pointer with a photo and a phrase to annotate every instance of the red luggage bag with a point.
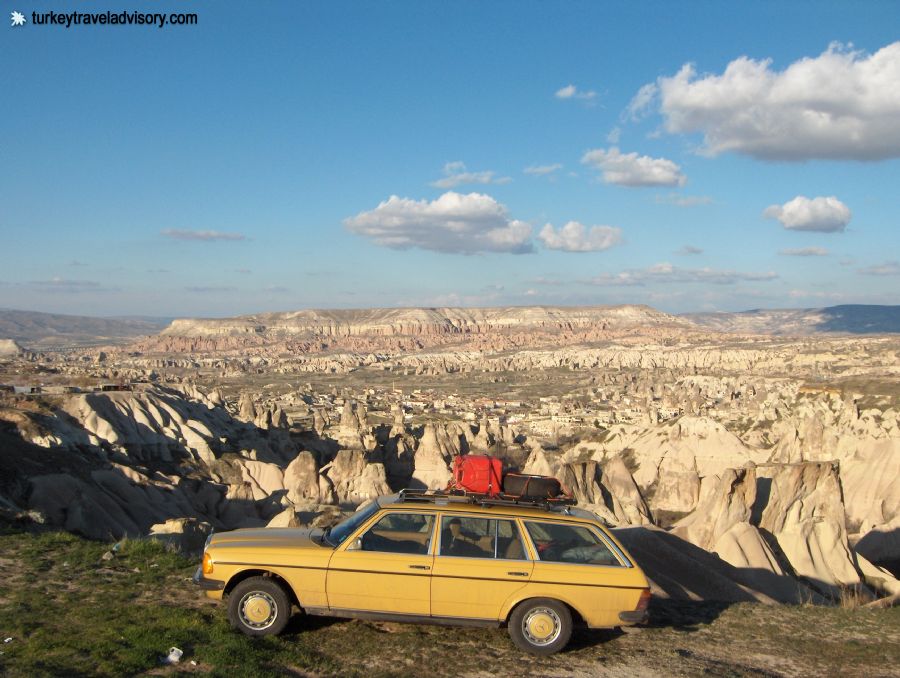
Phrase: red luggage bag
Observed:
(478, 474)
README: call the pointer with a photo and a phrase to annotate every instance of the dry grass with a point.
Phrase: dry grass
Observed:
(852, 597)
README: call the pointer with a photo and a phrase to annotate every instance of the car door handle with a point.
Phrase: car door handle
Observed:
(420, 567)
(517, 574)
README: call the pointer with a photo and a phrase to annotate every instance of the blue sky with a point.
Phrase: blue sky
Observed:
(248, 163)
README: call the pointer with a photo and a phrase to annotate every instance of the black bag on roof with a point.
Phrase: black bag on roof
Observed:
(538, 487)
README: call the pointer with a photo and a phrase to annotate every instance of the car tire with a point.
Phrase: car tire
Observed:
(259, 606)
(541, 626)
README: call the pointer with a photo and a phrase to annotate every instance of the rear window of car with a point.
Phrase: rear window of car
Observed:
(470, 537)
(566, 543)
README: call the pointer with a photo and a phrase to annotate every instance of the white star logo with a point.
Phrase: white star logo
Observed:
(18, 19)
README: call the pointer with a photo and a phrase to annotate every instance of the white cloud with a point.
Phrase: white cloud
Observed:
(667, 273)
(826, 215)
(689, 250)
(453, 223)
(640, 104)
(210, 289)
(206, 236)
(805, 252)
(683, 200)
(455, 174)
(572, 92)
(631, 169)
(576, 237)
(486, 297)
(64, 285)
(818, 294)
(842, 104)
(614, 135)
(542, 170)
(887, 268)
(530, 293)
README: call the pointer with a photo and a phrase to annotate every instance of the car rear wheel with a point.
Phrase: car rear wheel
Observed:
(259, 606)
(541, 626)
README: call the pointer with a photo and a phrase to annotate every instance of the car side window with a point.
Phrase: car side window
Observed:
(562, 543)
(400, 533)
(480, 538)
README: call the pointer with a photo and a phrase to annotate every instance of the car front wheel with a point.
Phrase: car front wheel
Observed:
(541, 626)
(259, 606)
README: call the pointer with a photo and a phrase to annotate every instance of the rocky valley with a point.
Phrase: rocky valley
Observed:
(736, 466)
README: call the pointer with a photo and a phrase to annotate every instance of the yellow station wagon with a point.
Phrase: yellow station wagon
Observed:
(419, 557)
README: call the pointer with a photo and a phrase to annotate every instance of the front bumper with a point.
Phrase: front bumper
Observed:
(206, 584)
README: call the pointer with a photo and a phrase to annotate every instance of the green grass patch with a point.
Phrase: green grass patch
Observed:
(72, 613)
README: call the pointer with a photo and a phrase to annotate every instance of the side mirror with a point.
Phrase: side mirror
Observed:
(356, 545)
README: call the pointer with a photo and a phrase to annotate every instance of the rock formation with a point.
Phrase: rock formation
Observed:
(433, 455)
(354, 479)
(804, 512)
(350, 431)
(304, 482)
(727, 501)
(186, 535)
(9, 347)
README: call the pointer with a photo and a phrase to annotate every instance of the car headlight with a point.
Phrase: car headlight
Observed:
(207, 563)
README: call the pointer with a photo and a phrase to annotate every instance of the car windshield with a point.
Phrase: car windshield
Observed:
(337, 534)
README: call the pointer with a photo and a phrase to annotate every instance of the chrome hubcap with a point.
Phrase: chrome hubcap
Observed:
(258, 610)
(541, 626)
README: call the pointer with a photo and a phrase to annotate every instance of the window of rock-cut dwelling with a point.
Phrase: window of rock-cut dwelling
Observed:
(400, 533)
(564, 543)
(468, 537)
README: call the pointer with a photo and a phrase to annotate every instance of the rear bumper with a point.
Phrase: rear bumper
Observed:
(633, 617)
(206, 584)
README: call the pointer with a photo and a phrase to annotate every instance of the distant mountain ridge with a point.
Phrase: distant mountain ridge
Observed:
(412, 321)
(34, 330)
(370, 328)
(843, 319)
(412, 329)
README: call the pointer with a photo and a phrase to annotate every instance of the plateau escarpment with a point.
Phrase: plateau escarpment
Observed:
(311, 331)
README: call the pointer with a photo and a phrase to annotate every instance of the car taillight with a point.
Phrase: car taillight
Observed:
(207, 564)
(644, 600)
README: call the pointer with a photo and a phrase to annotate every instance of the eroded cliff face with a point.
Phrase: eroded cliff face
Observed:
(420, 321)
(404, 329)
(773, 523)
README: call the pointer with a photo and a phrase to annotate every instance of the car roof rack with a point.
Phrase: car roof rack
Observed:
(457, 497)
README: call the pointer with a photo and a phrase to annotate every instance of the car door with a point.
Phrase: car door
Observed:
(578, 565)
(385, 567)
(479, 563)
